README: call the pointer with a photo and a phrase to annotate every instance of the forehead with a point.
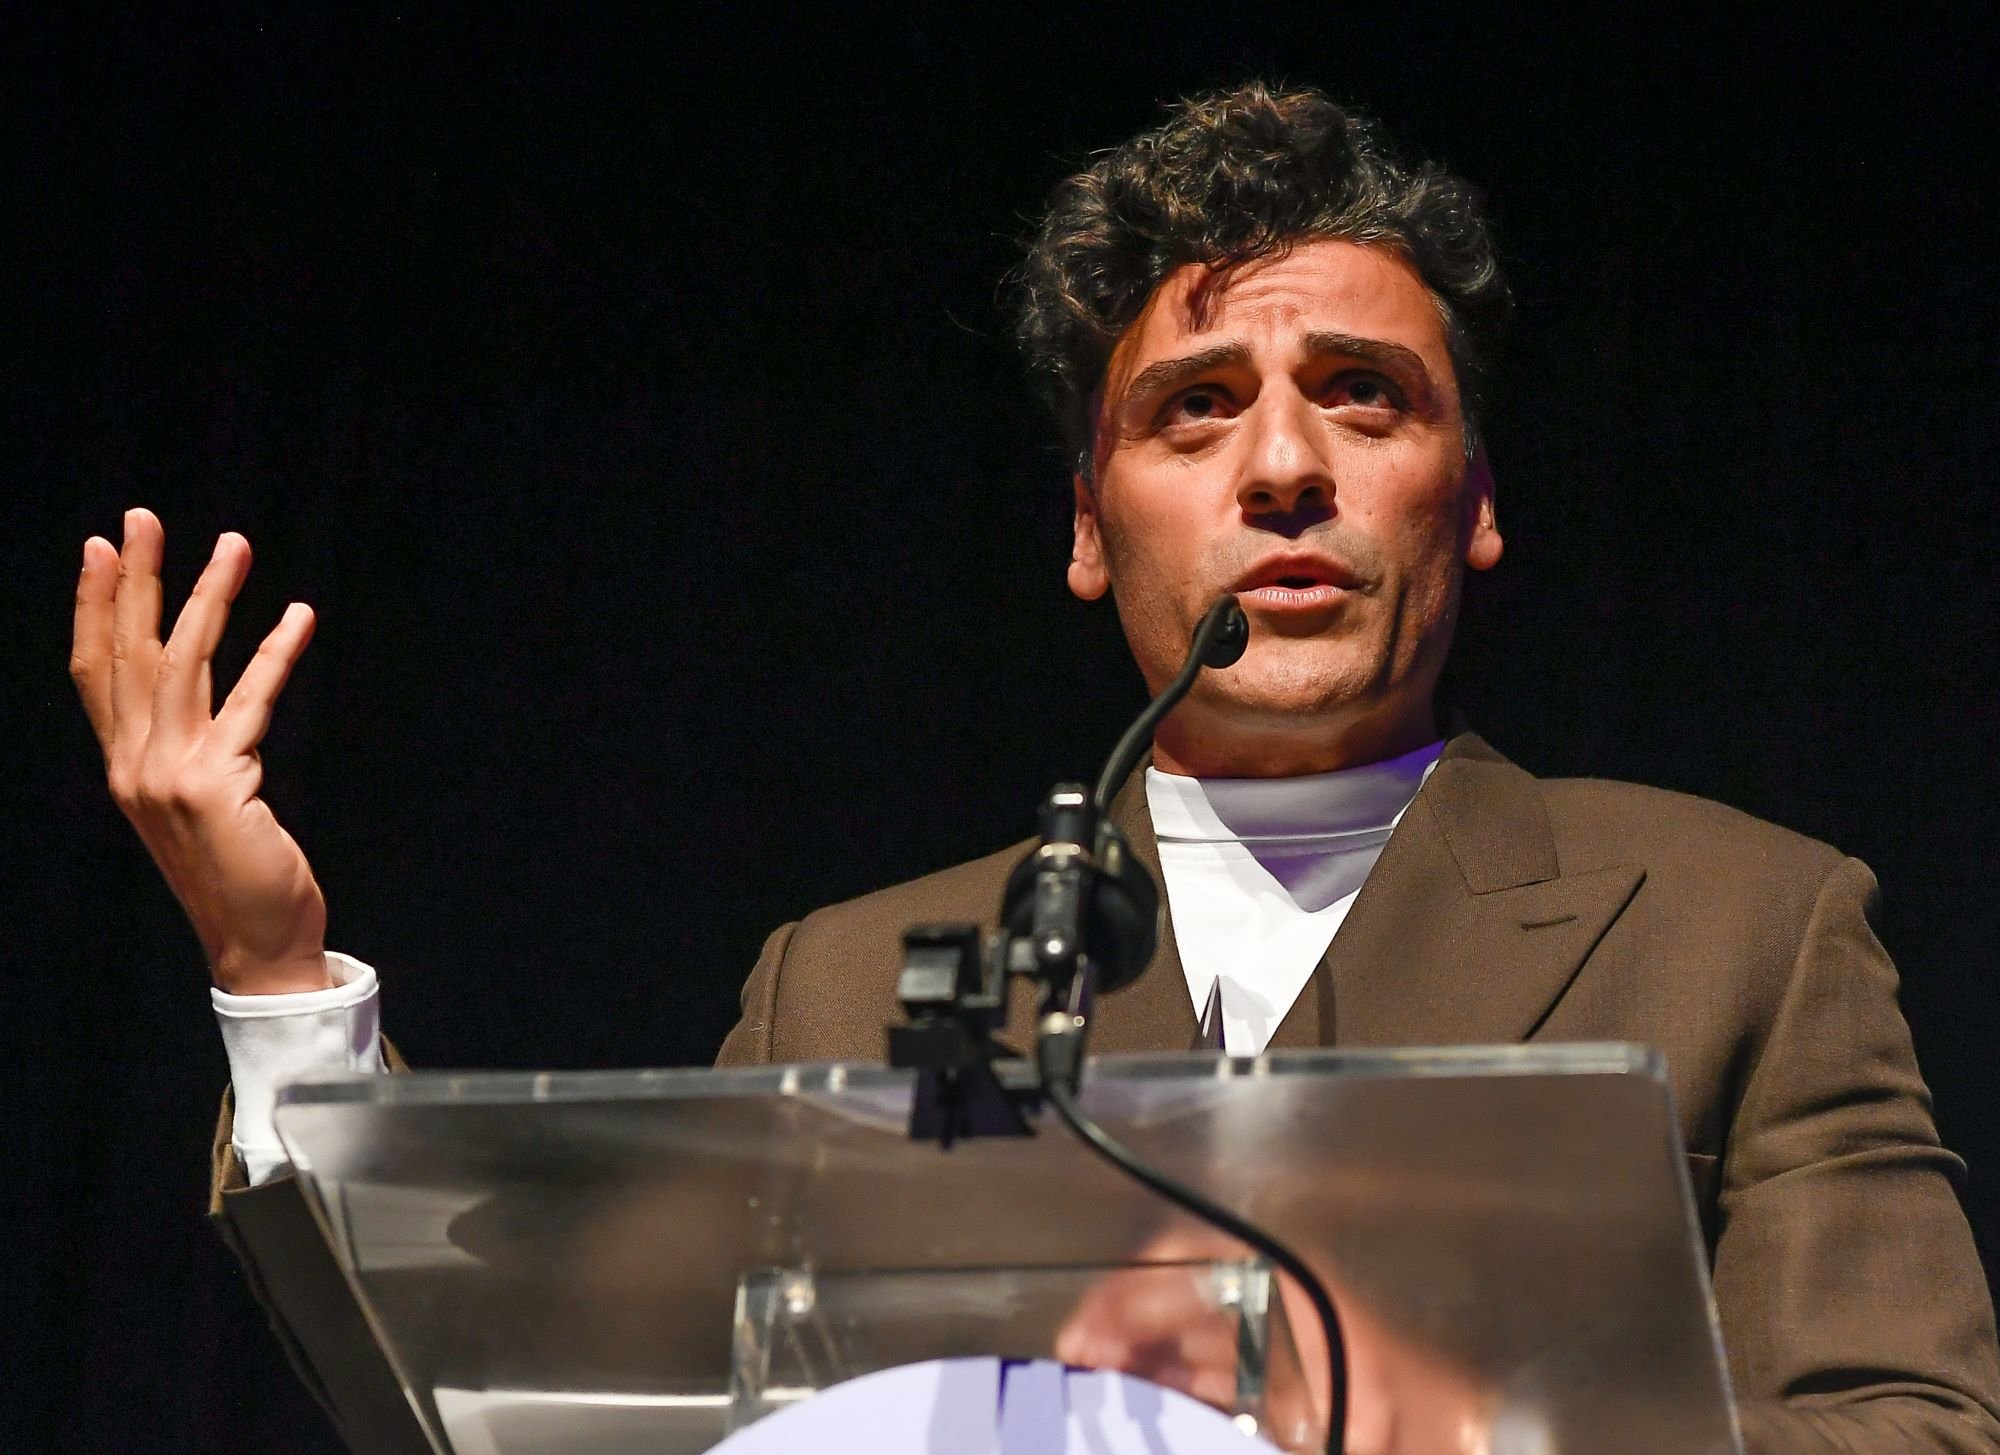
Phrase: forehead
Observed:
(1269, 304)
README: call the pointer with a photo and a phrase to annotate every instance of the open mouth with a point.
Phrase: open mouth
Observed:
(1297, 584)
(1296, 571)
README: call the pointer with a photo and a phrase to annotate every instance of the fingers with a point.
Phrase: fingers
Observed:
(90, 639)
(183, 695)
(1212, 1384)
(1144, 1320)
(135, 624)
(246, 716)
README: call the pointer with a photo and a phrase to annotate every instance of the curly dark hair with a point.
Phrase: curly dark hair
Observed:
(1232, 176)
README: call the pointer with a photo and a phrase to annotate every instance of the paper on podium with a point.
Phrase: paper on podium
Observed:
(941, 1407)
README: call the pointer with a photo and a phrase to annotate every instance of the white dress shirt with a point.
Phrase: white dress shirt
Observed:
(1259, 872)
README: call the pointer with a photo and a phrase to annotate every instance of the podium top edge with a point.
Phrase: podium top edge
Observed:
(822, 1079)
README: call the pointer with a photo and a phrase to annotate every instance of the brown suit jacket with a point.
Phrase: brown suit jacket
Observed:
(1506, 908)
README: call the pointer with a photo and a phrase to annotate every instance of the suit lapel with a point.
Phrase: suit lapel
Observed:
(1153, 1013)
(1308, 1021)
(1467, 931)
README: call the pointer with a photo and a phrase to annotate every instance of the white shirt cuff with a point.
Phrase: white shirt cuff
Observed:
(271, 1039)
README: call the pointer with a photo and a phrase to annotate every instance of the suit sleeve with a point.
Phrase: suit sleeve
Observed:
(305, 1296)
(749, 1042)
(1857, 1314)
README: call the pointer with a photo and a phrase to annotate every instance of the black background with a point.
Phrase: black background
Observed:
(630, 397)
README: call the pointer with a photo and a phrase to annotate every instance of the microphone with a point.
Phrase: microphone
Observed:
(1066, 902)
(1219, 641)
(1079, 914)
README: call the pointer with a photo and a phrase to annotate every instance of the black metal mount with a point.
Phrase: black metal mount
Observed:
(954, 982)
(954, 990)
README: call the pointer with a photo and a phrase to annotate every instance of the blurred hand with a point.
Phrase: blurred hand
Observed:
(188, 776)
(1161, 1325)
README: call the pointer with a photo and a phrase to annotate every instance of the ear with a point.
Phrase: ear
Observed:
(1089, 578)
(1483, 544)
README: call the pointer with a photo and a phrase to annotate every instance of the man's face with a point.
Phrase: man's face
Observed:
(1298, 441)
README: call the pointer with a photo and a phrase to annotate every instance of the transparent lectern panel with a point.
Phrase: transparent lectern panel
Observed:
(1508, 1229)
(798, 1331)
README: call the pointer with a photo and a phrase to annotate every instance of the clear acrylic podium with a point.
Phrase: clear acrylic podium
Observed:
(613, 1262)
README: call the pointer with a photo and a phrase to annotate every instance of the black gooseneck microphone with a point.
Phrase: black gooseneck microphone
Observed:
(1124, 899)
(1079, 914)
(1108, 911)
(1219, 641)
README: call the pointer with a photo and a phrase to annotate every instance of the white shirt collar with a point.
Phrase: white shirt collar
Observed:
(1364, 800)
(1260, 874)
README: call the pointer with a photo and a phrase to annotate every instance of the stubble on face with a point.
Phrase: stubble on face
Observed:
(1305, 409)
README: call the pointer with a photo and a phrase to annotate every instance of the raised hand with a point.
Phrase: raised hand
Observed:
(187, 776)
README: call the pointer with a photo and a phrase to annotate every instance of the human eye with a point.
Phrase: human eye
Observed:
(1361, 390)
(1196, 406)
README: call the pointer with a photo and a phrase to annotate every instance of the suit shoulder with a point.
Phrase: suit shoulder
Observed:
(1728, 901)
(964, 892)
(835, 987)
(1600, 817)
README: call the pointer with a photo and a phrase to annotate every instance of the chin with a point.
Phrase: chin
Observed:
(1292, 689)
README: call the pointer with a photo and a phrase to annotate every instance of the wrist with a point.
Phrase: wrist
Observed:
(236, 974)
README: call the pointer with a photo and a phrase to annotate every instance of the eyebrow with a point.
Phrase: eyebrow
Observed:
(1170, 374)
(1389, 357)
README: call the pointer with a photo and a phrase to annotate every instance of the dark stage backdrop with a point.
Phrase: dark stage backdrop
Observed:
(631, 399)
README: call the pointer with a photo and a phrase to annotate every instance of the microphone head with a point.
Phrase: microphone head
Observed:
(1229, 637)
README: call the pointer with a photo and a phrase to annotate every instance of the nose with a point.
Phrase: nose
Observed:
(1287, 480)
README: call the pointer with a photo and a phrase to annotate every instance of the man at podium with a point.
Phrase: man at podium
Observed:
(1264, 336)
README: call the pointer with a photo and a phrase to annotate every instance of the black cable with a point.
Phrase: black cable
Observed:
(1108, 1147)
(1219, 641)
